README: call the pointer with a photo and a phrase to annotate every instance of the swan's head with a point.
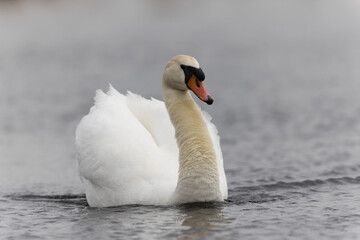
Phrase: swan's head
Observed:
(182, 73)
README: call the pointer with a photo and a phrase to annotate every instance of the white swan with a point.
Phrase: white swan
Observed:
(130, 152)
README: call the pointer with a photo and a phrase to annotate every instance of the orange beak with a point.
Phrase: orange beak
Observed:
(198, 88)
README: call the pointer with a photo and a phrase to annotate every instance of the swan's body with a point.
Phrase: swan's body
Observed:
(131, 152)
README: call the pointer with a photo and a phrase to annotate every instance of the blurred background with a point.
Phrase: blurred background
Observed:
(284, 74)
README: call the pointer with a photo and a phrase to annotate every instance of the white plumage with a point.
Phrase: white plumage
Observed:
(128, 154)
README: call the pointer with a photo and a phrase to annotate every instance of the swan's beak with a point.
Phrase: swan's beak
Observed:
(198, 88)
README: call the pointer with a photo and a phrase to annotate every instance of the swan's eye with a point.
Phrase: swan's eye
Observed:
(189, 71)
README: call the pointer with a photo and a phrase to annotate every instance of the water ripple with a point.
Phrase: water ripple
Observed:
(77, 199)
(302, 184)
(281, 191)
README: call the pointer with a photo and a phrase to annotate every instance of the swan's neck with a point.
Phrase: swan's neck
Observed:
(198, 172)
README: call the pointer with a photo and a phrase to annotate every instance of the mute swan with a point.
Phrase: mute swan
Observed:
(131, 150)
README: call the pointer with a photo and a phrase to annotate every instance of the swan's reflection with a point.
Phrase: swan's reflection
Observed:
(192, 221)
(202, 220)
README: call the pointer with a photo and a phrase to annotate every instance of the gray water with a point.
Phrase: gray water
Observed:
(285, 76)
